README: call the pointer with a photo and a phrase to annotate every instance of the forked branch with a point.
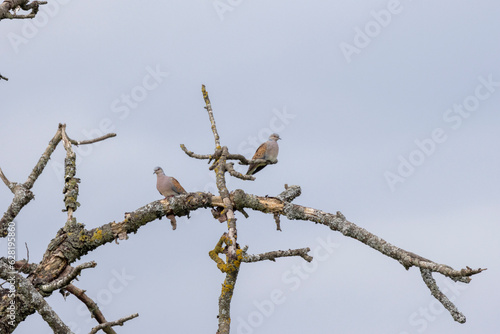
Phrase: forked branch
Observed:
(94, 310)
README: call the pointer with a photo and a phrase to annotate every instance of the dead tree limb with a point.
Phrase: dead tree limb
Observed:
(94, 310)
(441, 297)
(27, 295)
(22, 192)
(73, 240)
(271, 256)
(92, 141)
(118, 322)
(233, 258)
(70, 189)
(9, 8)
(66, 279)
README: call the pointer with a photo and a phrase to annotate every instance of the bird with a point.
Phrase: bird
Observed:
(267, 151)
(167, 186)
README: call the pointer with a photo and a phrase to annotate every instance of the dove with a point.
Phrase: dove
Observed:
(267, 151)
(167, 186)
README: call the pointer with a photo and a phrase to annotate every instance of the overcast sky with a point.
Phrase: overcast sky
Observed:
(388, 111)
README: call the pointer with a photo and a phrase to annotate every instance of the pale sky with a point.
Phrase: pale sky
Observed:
(388, 111)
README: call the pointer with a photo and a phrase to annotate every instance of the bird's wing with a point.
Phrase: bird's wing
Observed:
(176, 186)
(261, 152)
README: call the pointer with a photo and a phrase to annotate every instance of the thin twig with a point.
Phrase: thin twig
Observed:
(271, 256)
(94, 310)
(278, 221)
(91, 141)
(233, 172)
(27, 258)
(441, 297)
(243, 160)
(4, 78)
(194, 155)
(44, 159)
(118, 322)
(5, 180)
(211, 116)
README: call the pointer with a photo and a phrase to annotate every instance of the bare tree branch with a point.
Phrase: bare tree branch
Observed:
(26, 263)
(233, 253)
(94, 310)
(91, 141)
(23, 266)
(44, 159)
(241, 158)
(26, 294)
(208, 106)
(11, 5)
(9, 184)
(22, 193)
(231, 268)
(118, 322)
(74, 241)
(72, 244)
(4, 78)
(65, 280)
(290, 193)
(271, 256)
(432, 285)
(196, 156)
(232, 172)
(278, 221)
(70, 189)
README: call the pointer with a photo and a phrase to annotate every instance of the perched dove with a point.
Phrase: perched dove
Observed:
(267, 151)
(167, 185)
